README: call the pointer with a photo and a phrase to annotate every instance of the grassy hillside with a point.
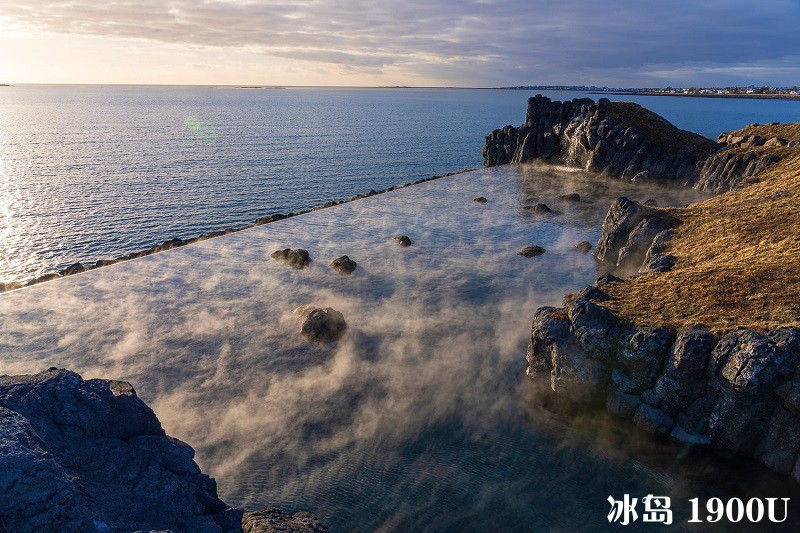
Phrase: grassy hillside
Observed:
(660, 131)
(738, 256)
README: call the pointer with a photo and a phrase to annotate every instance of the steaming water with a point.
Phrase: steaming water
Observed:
(93, 172)
(417, 418)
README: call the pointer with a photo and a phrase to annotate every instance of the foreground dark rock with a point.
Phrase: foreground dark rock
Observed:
(588, 134)
(344, 265)
(740, 392)
(89, 455)
(297, 259)
(321, 324)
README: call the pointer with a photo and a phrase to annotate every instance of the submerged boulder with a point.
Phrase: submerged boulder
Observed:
(321, 324)
(531, 251)
(298, 258)
(539, 209)
(343, 265)
(572, 197)
(402, 240)
(480, 200)
(584, 247)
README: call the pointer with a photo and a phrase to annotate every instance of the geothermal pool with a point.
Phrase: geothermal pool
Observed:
(420, 416)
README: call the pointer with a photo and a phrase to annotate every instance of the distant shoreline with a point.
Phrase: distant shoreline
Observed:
(683, 95)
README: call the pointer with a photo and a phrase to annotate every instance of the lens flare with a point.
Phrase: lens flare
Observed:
(202, 130)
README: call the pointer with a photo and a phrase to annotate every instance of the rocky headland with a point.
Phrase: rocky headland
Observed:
(692, 331)
(625, 140)
(90, 455)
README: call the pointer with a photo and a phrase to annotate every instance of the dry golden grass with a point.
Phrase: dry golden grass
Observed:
(660, 131)
(738, 260)
(790, 131)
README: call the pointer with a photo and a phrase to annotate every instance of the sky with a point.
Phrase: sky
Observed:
(477, 43)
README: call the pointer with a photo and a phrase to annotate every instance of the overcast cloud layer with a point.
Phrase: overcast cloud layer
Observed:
(482, 42)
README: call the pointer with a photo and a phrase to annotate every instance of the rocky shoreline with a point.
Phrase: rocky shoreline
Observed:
(89, 455)
(622, 139)
(736, 390)
(176, 242)
(739, 391)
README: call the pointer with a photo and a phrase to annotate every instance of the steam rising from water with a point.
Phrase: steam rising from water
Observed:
(417, 416)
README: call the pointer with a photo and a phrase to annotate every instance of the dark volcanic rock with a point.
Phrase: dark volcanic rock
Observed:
(73, 269)
(87, 455)
(271, 218)
(531, 251)
(402, 240)
(480, 200)
(275, 521)
(632, 255)
(653, 420)
(583, 133)
(620, 220)
(321, 324)
(540, 209)
(584, 247)
(572, 197)
(656, 260)
(740, 393)
(634, 237)
(344, 265)
(298, 258)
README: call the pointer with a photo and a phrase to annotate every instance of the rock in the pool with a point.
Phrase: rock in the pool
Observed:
(584, 247)
(321, 324)
(480, 200)
(344, 265)
(531, 251)
(298, 258)
(402, 240)
(572, 197)
(540, 209)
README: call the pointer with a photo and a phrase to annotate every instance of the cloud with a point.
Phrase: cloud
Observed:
(470, 42)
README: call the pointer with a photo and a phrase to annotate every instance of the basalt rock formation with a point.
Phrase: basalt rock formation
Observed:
(621, 139)
(634, 239)
(740, 392)
(89, 455)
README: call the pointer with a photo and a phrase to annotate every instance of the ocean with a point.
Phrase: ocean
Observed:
(92, 172)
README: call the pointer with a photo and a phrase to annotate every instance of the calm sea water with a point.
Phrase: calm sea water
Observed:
(420, 418)
(90, 172)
